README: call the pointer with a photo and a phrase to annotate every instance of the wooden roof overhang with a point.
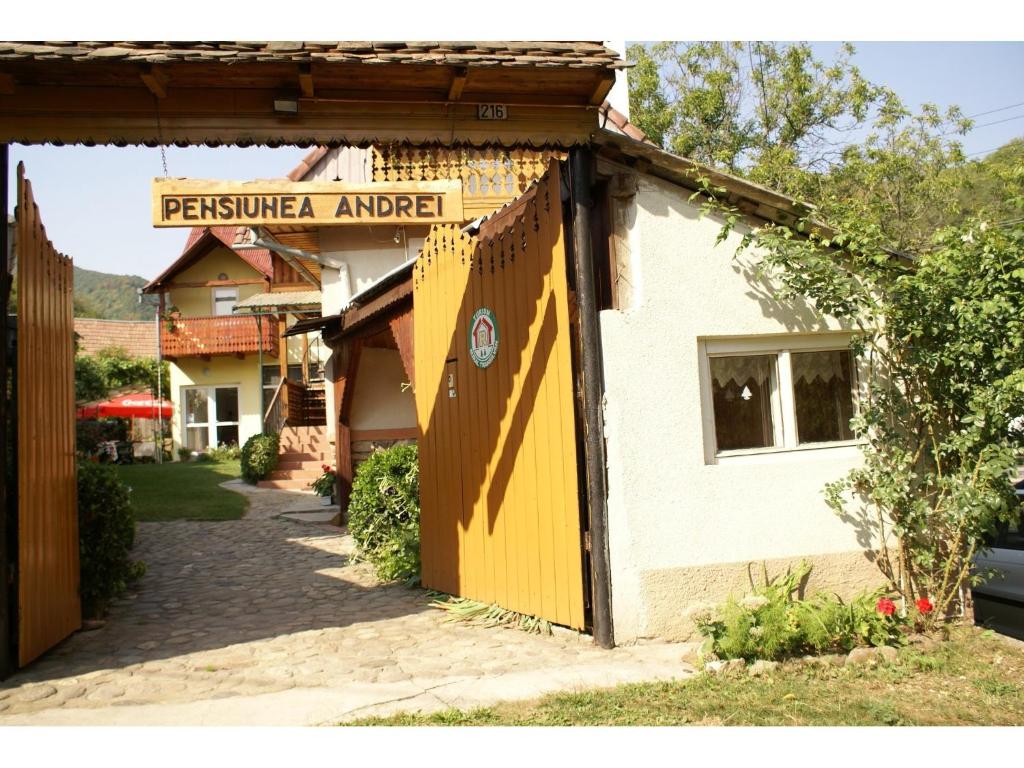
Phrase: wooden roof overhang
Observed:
(355, 94)
(202, 246)
(758, 203)
(370, 311)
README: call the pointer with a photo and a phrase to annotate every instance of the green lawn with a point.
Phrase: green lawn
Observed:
(183, 490)
(976, 679)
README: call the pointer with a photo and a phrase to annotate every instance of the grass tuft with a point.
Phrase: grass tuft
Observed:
(488, 614)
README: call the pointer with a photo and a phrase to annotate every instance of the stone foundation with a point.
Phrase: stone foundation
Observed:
(667, 594)
(361, 449)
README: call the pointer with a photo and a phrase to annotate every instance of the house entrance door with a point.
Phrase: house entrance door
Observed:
(211, 416)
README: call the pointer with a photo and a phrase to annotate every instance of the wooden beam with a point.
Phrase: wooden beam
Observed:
(402, 330)
(214, 283)
(155, 80)
(214, 116)
(306, 80)
(354, 317)
(6, 84)
(602, 90)
(408, 433)
(458, 83)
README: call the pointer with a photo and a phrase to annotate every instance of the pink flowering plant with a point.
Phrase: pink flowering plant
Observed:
(324, 485)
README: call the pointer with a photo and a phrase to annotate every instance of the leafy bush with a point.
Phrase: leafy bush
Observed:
(229, 452)
(259, 457)
(106, 532)
(184, 454)
(771, 624)
(384, 512)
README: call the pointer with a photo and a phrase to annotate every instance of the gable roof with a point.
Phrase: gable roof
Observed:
(200, 240)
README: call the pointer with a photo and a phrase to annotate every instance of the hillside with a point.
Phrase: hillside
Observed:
(111, 297)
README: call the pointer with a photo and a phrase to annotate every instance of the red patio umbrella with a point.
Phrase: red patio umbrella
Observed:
(139, 406)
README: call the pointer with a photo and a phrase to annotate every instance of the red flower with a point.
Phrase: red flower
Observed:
(924, 605)
(886, 607)
(325, 467)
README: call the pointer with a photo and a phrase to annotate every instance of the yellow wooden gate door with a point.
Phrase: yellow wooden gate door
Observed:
(48, 575)
(500, 514)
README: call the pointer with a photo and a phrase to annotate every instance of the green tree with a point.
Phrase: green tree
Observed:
(96, 376)
(768, 111)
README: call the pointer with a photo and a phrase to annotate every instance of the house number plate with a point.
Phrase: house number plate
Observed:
(492, 111)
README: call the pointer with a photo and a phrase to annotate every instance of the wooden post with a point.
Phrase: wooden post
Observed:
(282, 356)
(305, 358)
(6, 603)
(581, 179)
(346, 369)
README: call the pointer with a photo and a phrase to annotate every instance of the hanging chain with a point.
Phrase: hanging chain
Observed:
(160, 135)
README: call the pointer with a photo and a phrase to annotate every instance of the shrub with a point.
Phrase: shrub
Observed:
(384, 512)
(259, 457)
(770, 623)
(184, 454)
(106, 532)
(229, 452)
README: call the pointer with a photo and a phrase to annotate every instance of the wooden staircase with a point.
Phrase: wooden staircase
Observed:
(304, 451)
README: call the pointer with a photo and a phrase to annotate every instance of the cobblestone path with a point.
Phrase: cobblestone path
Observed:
(233, 610)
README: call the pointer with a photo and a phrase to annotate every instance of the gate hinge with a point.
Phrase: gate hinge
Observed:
(586, 541)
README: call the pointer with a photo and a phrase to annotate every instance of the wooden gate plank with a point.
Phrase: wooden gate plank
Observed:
(48, 569)
(498, 461)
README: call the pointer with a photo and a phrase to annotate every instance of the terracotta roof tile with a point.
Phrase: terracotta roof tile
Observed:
(136, 337)
(472, 53)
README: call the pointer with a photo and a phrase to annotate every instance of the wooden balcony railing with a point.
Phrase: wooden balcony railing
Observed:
(225, 335)
(490, 177)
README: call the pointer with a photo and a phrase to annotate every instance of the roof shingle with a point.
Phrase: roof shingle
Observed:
(475, 53)
(136, 337)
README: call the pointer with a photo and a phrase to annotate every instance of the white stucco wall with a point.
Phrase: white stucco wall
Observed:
(379, 400)
(681, 523)
(219, 371)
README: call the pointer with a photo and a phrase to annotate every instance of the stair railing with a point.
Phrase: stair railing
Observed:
(276, 417)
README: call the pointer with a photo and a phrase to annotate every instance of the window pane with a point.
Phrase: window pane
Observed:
(224, 300)
(227, 404)
(197, 438)
(227, 434)
(271, 375)
(823, 394)
(742, 389)
(195, 406)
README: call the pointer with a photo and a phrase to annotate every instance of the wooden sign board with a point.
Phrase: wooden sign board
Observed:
(200, 202)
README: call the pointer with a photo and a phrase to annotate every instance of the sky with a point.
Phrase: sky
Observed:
(95, 201)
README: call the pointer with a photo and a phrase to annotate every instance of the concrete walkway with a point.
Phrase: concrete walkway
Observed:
(267, 621)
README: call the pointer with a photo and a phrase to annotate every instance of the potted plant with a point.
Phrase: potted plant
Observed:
(323, 486)
(171, 319)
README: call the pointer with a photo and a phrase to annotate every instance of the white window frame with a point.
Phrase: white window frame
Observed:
(783, 399)
(213, 299)
(212, 422)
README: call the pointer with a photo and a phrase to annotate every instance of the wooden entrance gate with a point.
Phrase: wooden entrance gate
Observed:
(500, 512)
(47, 531)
